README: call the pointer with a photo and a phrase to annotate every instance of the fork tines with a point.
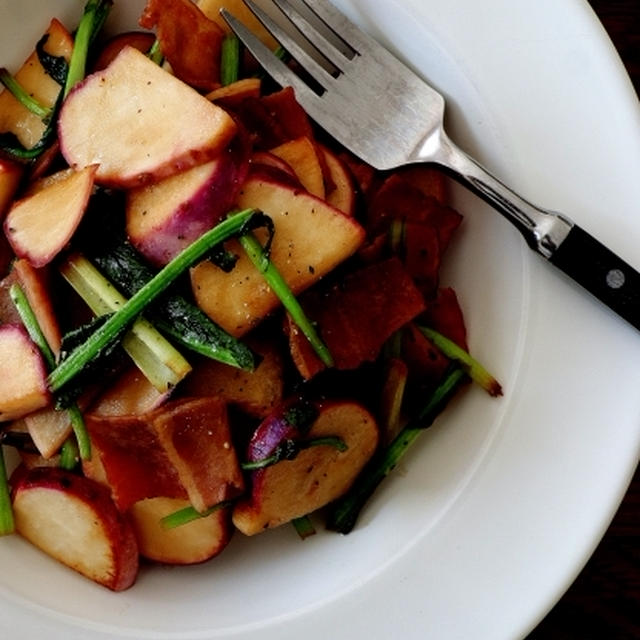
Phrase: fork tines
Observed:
(326, 29)
(357, 91)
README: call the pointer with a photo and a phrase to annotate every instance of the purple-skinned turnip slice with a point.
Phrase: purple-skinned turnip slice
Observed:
(41, 224)
(318, 475)
(139, 123)
(23, 373)
(301, 251)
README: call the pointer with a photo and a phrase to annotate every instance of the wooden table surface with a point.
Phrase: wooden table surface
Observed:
(604, 602)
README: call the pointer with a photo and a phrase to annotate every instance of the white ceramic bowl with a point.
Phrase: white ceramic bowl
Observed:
(493, 514)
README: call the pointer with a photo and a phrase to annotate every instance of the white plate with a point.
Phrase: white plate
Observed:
(499, 506)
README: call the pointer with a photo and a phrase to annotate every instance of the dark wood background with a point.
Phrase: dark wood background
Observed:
(604, 602)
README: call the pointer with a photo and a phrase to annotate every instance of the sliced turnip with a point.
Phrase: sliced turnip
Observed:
(14, 116)
(74, 520)
(311, 239)
(23, 374)
(301, 155)
(165, 217)
(190, 543)
(139, 123)
(342, 195)
(318, 475)
(40, 225)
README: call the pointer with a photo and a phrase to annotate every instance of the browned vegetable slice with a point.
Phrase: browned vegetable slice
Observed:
(318, 475)
(74, 520)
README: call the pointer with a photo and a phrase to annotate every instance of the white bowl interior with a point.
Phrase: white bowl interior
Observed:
(273, 578)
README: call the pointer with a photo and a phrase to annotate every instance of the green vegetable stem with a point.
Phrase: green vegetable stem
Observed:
(173, 314)
(189, 514)
(24, 97)
(158, 360)
(32, 326)
(111, 330)
(93, 18)
(274, 278)
(475, 369)
(7, 525)
(343, 513)
(230, 59)
(287, 450)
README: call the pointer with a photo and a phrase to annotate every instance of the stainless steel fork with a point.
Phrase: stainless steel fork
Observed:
(384, 113)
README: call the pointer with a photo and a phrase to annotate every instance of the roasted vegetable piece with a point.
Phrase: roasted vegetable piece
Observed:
(402, 198)
(73, 414)
(15, 118)
(255, 392)
(130, 393)
(293, 488)
(193, 542)
(341, 191)
(302, 156)
(74, 520)
(357, 315)
(239, 300)
(181, 450)
(134, 464)
(23, 373)
(195, 434)
(274, 119)
(166, 216)
(138, 135)
(188, 40)
(40, 225)
(233, 94)
(344, 512)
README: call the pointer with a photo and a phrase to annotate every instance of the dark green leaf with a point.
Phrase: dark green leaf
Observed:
(301, 415)
(56, 67)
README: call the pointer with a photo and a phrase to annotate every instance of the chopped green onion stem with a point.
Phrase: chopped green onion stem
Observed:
(281, 53)
(110, 330)
(304, 527)
(230, 59)
(189, 514)
(7, 524)
(32, 326)
(69, 454)
(95, 13)
(344, 512)
(24, 97)
(398, 237)
(155, 52)
(277, 283)
(454, 352)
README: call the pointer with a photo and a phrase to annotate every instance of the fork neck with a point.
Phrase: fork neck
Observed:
(543, 230)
